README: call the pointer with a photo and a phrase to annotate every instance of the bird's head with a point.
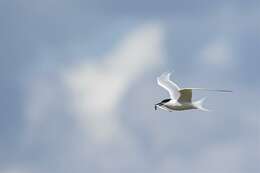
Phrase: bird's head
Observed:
(161, 103)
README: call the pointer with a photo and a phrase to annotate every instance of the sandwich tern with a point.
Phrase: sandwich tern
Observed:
(180, 98)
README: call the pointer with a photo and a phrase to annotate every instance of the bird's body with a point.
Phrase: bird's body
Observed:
(172, 105)
(181, 99)
(177, 106)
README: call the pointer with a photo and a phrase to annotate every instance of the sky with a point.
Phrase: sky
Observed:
(78, 86)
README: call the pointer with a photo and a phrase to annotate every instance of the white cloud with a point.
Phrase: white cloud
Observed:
(97, 89)
(93, 92)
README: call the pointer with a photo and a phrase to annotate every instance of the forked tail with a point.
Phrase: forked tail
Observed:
(199, 104)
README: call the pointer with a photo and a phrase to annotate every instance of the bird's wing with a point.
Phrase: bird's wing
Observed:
(205, 89)
(186, 95)
(165, 82)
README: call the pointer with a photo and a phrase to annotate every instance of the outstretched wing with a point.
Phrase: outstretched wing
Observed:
(205, 89)
(186, 96)
(165, 82)
(186, 93)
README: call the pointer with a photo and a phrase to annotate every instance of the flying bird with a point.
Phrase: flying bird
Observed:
(180, 98)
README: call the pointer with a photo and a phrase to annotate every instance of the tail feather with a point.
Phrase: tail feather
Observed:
(199, 104)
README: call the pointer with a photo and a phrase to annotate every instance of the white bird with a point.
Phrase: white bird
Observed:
(180, 99)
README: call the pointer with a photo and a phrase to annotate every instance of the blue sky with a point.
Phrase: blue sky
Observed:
(78, 85)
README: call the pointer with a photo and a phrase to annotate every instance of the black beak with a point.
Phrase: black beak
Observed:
(155, 106)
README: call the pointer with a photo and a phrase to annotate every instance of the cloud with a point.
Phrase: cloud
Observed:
(97, 88)
(74, 112)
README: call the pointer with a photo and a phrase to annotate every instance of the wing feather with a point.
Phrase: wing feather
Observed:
(205, 89)
(186, 93)
(186, 96)
(165, 82)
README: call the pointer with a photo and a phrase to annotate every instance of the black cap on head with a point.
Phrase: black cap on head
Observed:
(165, 100)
